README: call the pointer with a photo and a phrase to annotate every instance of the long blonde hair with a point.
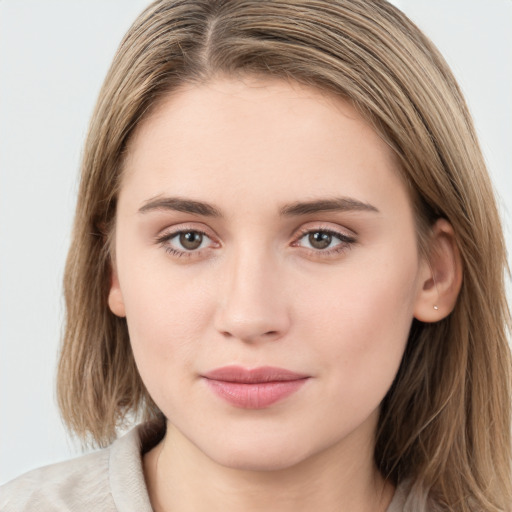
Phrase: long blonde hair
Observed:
(444, 426)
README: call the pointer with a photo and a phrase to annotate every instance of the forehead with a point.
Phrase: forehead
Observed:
(257, 138)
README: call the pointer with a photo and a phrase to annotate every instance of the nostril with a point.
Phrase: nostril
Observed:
(252, 336)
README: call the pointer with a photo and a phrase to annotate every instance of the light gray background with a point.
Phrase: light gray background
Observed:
(53, 57)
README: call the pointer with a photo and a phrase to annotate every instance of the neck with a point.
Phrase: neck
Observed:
(181, 478)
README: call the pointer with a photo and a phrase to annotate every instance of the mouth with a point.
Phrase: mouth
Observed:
(255, 388)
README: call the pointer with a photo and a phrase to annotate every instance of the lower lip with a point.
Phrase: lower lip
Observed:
(257, 395)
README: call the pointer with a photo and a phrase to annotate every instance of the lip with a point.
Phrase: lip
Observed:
(255, 388)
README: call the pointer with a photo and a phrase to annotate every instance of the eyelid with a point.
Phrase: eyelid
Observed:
(167, 234)
(327, 227)
(347, 240)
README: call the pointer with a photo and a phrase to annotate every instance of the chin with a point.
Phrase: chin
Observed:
(262, 452)
(259, 460)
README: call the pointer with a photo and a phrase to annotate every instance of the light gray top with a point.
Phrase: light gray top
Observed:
(109, 480)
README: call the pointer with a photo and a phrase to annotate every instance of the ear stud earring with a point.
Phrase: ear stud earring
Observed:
(436, 308)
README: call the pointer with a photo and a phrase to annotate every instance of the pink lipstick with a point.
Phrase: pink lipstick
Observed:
(256, 388)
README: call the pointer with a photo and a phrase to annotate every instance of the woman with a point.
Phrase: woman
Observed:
(287, 259)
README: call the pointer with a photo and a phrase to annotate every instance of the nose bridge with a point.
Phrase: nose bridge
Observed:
(252, 305)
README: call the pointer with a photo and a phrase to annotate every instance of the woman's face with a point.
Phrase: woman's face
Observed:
(267, 265)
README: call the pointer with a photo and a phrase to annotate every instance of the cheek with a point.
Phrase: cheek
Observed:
(361, 329)
(166, 316)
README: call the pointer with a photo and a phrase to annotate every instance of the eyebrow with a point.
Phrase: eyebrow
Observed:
(339, 204)
(179, 204)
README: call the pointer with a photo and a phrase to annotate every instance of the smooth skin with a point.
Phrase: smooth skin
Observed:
(265, 223)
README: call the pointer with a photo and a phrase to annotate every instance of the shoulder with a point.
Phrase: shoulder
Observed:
(108, 480)
(76, 484)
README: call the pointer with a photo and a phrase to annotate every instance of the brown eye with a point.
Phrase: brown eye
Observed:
(325, 242)
(187, 242)
(191, 240)
(320, 239)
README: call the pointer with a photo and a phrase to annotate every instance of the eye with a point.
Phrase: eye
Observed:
(324, 241)
(319, 239)
(185, 242)
(190, 240)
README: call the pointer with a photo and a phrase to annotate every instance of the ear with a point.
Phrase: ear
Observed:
(441, 275)
(115, 296)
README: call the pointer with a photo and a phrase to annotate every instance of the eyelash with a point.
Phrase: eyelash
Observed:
(346, 241)
(165, 238)
(345, 244)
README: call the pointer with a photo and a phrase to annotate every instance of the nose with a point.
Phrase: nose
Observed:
(252, 303)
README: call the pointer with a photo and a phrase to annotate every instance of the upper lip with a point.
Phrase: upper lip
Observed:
(253, 375)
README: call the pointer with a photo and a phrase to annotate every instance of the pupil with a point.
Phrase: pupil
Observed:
(191, 240)
(320, 240)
